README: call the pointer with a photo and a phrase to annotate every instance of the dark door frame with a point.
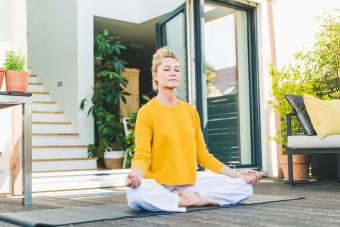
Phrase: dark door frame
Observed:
(254, 91)
(160, 32)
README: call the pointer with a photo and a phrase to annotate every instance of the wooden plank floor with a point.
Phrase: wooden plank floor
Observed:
(320, 208)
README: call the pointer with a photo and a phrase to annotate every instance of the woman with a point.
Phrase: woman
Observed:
(168, 146)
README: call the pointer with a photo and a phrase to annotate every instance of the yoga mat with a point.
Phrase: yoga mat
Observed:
(75, 215)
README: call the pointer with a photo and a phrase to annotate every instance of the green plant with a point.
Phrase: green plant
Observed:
(210, 75)
(14, 62)
(108, 90)
(315, 72)
(130, 141)
(130, 138)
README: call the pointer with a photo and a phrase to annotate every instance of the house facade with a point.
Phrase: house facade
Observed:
(225, 47)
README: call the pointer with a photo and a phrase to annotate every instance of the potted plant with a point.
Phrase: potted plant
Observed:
(2, 74)
(16, 77)
(301, 165)
(107, 92)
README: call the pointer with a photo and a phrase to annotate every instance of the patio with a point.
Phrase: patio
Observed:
(321, 207)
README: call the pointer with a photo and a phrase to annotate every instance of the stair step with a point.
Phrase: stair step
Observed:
(40, 92)
(35, 84)
(82, 179)
(44, 106)
(44, 102)
(32, 79)
(62, 159)
(36, 87)
(55, 134)
(61, 146)
(47, 139)
(36, 97)
(47, 112)
(64, 164)
(47, 117)
(52, 127)
(90, 184)
(61, 152)
(52, 122)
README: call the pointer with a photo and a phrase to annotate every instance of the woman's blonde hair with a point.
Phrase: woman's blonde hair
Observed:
(163, 52)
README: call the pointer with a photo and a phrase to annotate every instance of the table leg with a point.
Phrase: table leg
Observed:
(27, 155)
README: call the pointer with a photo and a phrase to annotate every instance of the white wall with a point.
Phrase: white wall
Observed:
(13, 27)
(53, 56)
(269, 154)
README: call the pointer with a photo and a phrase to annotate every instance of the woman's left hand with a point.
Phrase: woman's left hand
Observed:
(249, 175)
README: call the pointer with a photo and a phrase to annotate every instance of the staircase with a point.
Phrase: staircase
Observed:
(55, 145)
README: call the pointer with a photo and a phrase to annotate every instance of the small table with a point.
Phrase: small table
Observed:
(8, 99)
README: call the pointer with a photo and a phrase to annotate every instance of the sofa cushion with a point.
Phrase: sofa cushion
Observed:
(297, 103)
(332, 141)
(324, 114)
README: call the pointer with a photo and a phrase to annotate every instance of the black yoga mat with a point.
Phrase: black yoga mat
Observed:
(74, 215)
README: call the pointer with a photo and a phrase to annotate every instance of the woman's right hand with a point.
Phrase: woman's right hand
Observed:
(134, 178)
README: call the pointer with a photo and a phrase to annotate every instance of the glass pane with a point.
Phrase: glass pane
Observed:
(227, 84)
(174, 37)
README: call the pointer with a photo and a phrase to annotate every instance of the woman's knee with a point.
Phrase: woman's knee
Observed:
(248, 190)
(141, 194)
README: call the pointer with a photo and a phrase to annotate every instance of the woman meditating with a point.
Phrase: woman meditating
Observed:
(168, 146)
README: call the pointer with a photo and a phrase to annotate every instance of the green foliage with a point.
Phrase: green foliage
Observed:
(108, 90)
(130, 138)
(316, 72)
(130, 141)
(14, 62)
(210, 75)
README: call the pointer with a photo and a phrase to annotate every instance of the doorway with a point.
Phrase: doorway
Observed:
(155, 29)
(230, 89)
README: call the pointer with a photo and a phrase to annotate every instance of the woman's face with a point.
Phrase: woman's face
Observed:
(168, 74)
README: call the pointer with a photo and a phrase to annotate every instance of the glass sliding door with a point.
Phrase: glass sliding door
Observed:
(228, 86)
(171, 32)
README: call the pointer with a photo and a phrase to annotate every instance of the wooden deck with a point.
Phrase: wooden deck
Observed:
(320, 208)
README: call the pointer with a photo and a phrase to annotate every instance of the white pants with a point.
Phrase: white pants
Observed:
(153, 196)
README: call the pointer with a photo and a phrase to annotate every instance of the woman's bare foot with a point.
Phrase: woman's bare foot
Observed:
(188, 198)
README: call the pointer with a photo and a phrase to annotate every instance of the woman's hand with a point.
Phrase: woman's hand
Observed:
(134, 178)
(249, 175)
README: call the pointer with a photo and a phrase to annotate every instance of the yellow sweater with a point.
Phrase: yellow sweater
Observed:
(169, 144)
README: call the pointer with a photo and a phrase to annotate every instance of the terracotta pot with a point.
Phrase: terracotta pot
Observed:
(16, 81)
(2, 74)
(300, 166)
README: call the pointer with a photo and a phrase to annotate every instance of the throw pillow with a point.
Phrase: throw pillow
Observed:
(298, 105)
(324, 114)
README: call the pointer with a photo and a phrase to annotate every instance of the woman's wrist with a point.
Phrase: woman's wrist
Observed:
(230, 172)
(138, 171)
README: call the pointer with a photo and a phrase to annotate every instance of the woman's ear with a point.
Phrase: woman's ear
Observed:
(154, 75)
